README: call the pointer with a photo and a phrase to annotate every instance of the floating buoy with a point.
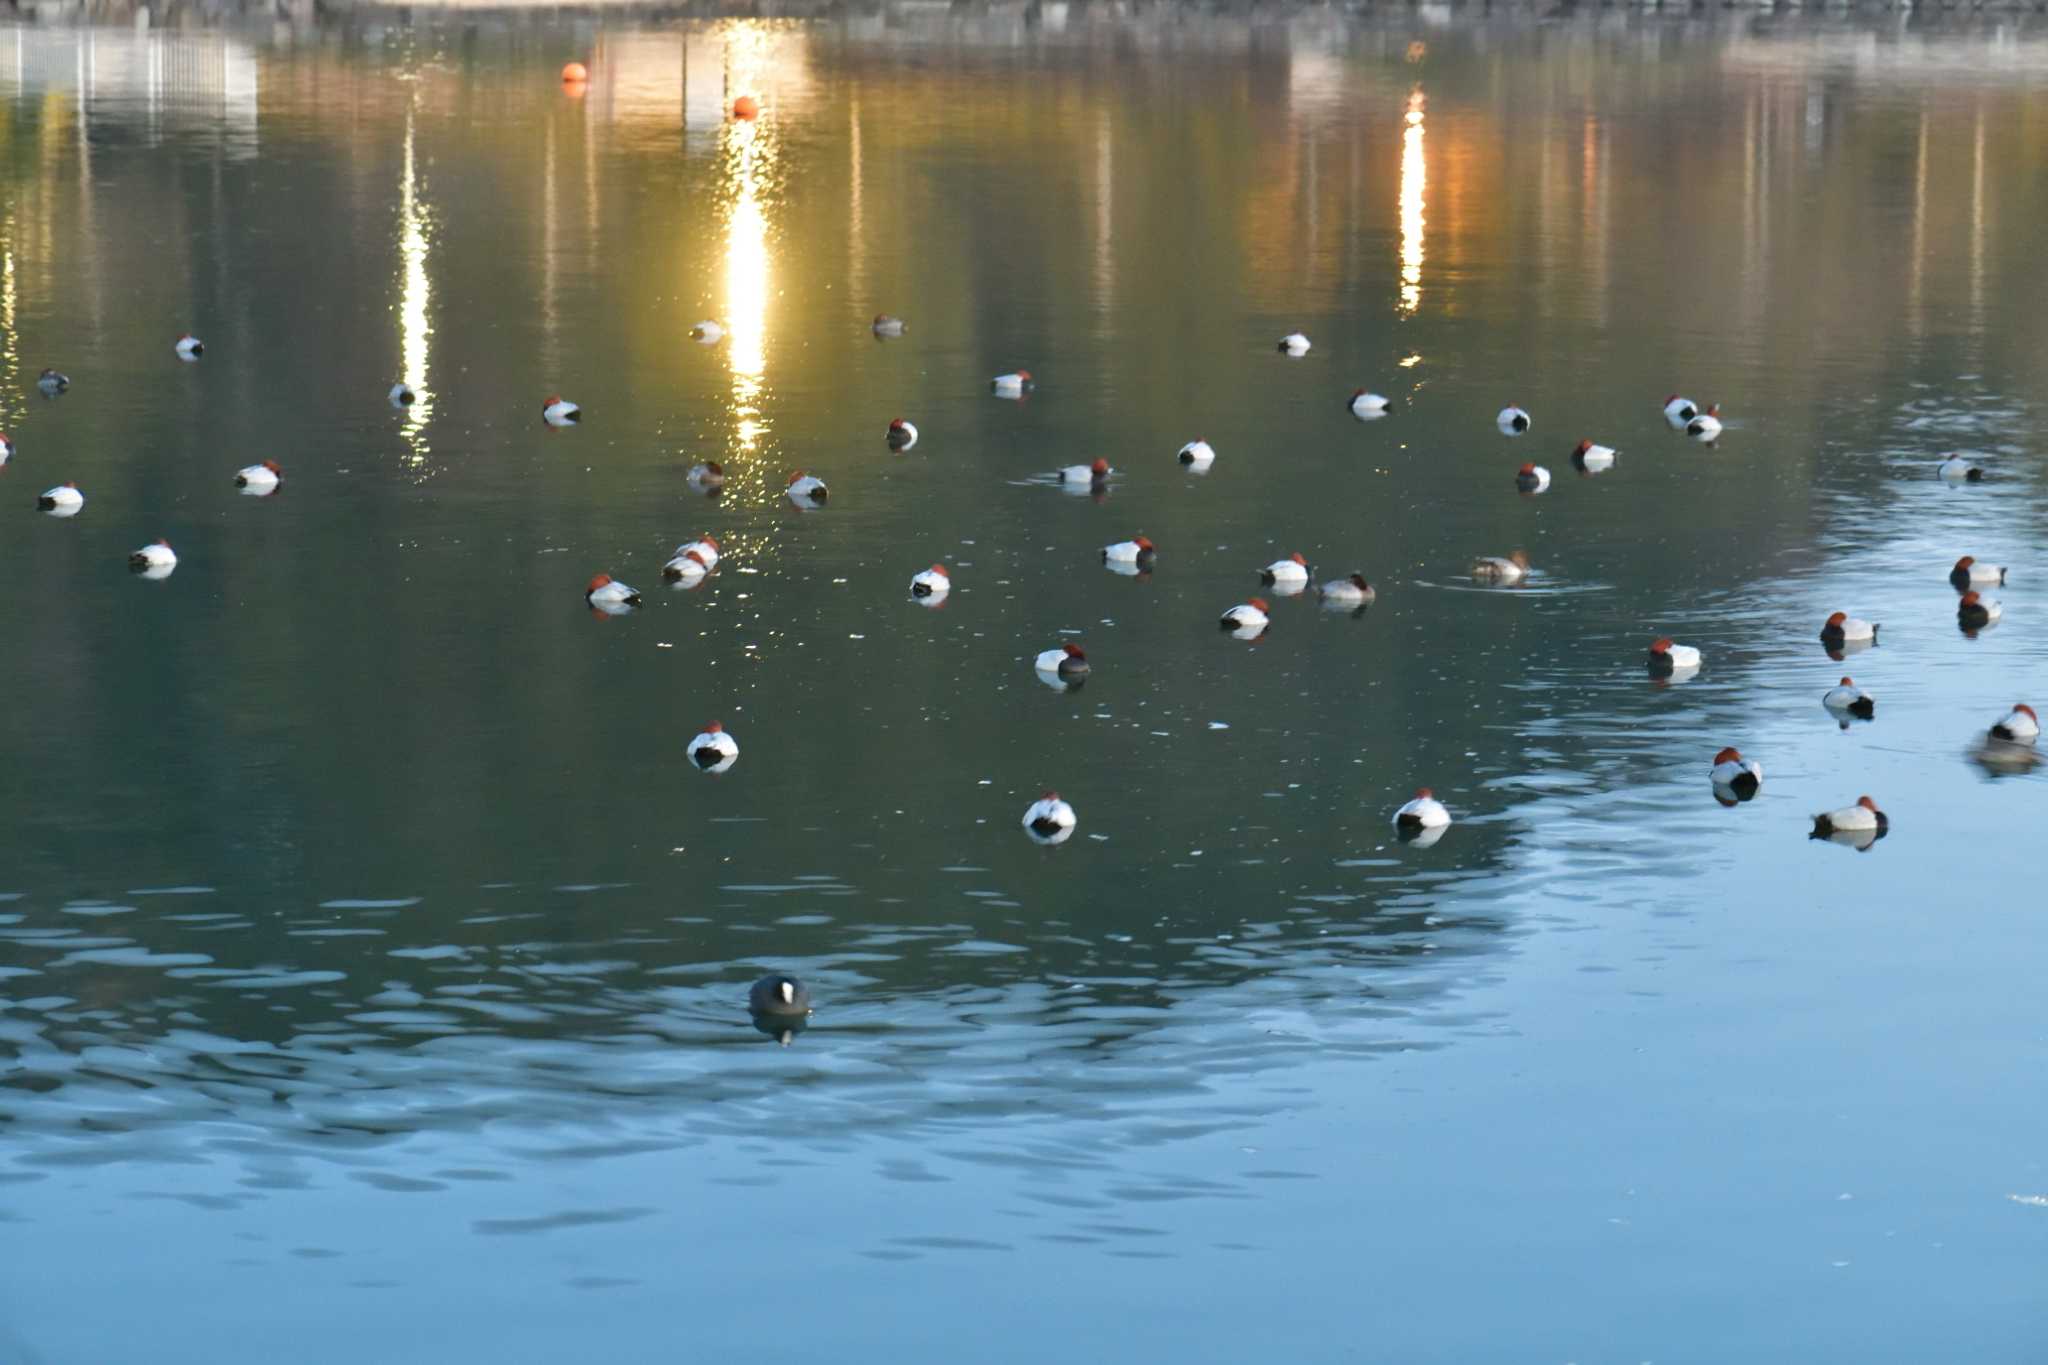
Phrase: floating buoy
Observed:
(745, 108)
(575, 73)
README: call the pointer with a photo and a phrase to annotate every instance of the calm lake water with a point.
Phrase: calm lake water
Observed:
(374, 962)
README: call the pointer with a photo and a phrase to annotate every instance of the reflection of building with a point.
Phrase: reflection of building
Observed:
(152, 82)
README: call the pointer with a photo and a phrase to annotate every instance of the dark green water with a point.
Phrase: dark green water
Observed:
(373, 962)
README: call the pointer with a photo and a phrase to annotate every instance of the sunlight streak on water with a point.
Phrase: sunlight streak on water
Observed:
(1414, 181)
(413, 327)
(747, 154)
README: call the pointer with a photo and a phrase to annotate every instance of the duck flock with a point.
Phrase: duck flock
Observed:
(780, 1004)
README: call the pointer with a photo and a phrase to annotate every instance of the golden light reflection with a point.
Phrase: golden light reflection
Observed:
(414, 331)
(10, 349)
(747, 153)
(1414, 182)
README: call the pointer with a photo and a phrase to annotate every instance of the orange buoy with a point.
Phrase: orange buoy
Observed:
(575, 72)
(744, 107)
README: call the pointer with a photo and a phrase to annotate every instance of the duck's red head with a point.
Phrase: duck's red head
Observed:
(271, 465)
(1970, 599)
(1835, 619)
(1358, 580)
(2021, 707)
(1048, 795)
(1259, 604)
(1527, 470)
(714, 728)
(602, 580)
(709, 539)
(1074, 651)
(1358, 393)
(1669, 399)
(1099, 467)
(1965, 562)
(167, 545)
(184, 336)
(1582, 447)
(70, 485)
(1713, 409)
(1848, 682)
(794, 475)
(1424, 794)
(1024, 375)
(1661, 645)
(1296, 557)
(551, 400)
(880, 318)
(695, 558)
(716, 468)
(1142, 543)
(1728, 756)
(1867, 804)
(940, 570)
(897, 424)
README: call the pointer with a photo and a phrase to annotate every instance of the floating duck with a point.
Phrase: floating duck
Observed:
(1347, 593)
(933, 582)
(1859, 826)
(260, 479)
(6, 449)
(1678, 411)
(1588, 458)
(1956, 469)
(1084, 475)
(1843, 629)
(707, 332)
(1705, 427)
(1667, 659)
(1421, 815)
(746, 109)
(1366, 405)
(714, 750)
(1068, 662)
(2022, 726)
(886, 326)
(154, 561)
(1137, 551)
(1247, 621)
(52, 383)
(1289, 575)
(687, 568)
(1532, 478)
(1493, 569)
(1049, 820)
(401, 395)
(1736, 775)
(609, 596)
(560, 412)
(1846, 698)
(805, 490)
(707, 477)
(705, 547)
(1012, 385)
(1511, 420)
(1977, 611)
(190, 347)
(902, 435)
(1197, 455)
(779, 996)
(1294, 344)
(62, 501)
(1968, 573)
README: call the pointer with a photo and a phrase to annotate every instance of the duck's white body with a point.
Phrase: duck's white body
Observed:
(1245, 620)
(1976, 575)
(933, 582)
(560, 412)
(1289, 575)
(1050, 820)
(1368, 405)
(1705, 427)
(1851, 819)
(1294, 344)
(1346, 592)
(1730, 772)
(1197, 455)
(156, 560)
(1511, 420)
(806, 490)
(401, 395)
(612, 593)
(687, 568)
(902, 434)
(707, 477)
(714, 750)
(1494, 569)
(2021, 726)
(1956, 469)
(1085, 475)
(258, 478)
(887, 326)
(1846, 696)
(1678, 411)
(1593, 459)
(190, 347)
(1853, 628)
(1011, 385)
(707, 332)
(62, 501)
(1989, 608)
(1675, 658)
(6, 449)
(1532, 479)
(1424, 812)
(1127, 552)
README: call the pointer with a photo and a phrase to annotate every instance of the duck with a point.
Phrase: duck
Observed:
(707, 332)
(1841, 628)
(707, 477)
(1493, 569)
(62, 501)
(1136, 551)
(610, 596)
(705, 547)
(804, 489)
(713, 751)
(1294, 344)
(687, 568)
(779, 995)
(902, 435)
(1347, 592)
(156, 560)
(259, 478)
(1968, 573)
(190, 347)
(1049, 820)
(1248, 620)
(1511, 420)
(1084, 475)
(1366, 405)
(1734, 773)
(1197, 455)
(2021, 726)
(1069, 661)
(886, 326)
(1956, 469)
(1863, 818)
(1976, 611)
(1424, 812)
(402, 395)
(1588, 458)
(1846, 698)
(1705, 427)
(1667, 658)
(1678, 411)
(6, 449)
(933, 582)
(1012, 385)
(52, 382)
(1532, 478)
(1289, 575)
(560, 412)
